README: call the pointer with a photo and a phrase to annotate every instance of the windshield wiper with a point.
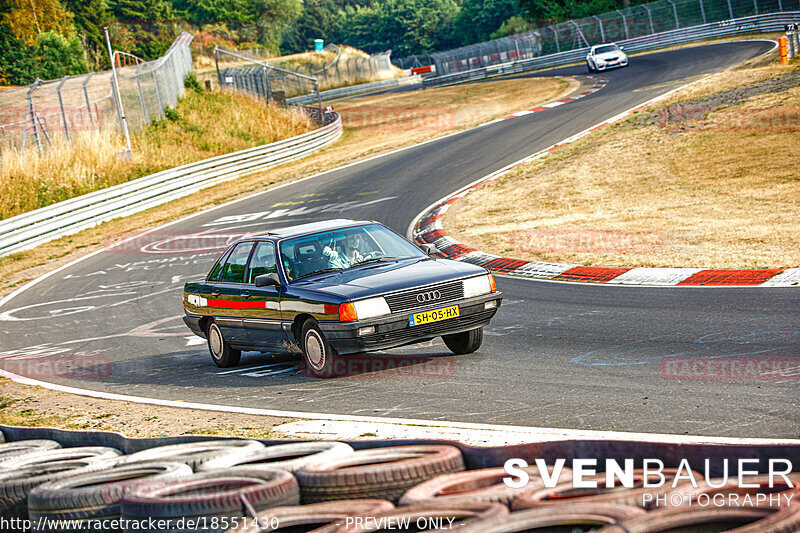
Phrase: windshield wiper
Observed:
(320, 271)
(374, 260)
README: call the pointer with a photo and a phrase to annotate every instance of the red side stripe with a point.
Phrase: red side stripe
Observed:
(731, 277)
(235, 304)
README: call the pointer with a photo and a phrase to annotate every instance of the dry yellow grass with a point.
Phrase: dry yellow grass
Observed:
(361, 139)
(203, 125)
(23, 405)
(719, 192)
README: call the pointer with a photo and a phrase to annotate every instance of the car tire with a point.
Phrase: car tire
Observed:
(589, 67)
(318, 355)
(464, 343)
(288, 457)
(221, 352)
(384, 473)
(195, 454)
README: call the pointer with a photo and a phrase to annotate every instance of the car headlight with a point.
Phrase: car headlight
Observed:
(479, 285)
(371, 307)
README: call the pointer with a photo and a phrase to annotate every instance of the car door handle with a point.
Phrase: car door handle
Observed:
(246, 295)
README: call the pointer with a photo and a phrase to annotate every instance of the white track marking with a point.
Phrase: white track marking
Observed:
(458, 430)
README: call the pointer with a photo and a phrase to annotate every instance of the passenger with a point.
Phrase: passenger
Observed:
(350, 256)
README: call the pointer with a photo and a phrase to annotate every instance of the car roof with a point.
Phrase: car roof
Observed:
(313, 227)
(604, 44)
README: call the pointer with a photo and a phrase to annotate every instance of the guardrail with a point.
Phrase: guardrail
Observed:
(772, 22)
(353, 90)
(30, 229)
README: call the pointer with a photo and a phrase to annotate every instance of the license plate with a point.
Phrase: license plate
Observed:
(433, 316)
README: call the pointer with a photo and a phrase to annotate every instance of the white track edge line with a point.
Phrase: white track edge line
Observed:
(466, 426)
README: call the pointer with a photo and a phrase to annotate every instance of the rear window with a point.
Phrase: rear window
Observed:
(233, 271)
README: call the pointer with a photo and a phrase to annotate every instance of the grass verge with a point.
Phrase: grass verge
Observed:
(203, 125)
(373, 125)
(705, 179)
(23, 405)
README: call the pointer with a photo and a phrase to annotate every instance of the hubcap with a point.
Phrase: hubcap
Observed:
(315, 350)
(215, 341)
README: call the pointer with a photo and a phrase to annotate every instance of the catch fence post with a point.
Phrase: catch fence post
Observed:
(61, 106)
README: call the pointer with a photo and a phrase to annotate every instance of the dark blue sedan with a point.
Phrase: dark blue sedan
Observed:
(336, 287)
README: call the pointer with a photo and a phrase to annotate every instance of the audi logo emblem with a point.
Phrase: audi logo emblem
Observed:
(428, 296)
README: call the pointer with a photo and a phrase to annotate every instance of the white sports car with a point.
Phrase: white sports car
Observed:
(605, 56)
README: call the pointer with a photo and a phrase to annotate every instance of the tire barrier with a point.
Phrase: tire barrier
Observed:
(565, 518)
(205, 501)
(315, 514)
(20, 475)
(419, 517)
(195, 454)
(289, 457)
(382, 473)
(730, 520)
(229, 485)
(96, 496)
(484, 485)
(780, 491)
(566, 493)
(11, 450)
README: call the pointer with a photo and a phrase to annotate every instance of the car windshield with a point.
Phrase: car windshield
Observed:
(344, 248)
(606, 49)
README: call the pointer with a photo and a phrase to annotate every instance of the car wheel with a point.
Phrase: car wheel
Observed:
(221, 352)
(462, 343)
(319, 356)
(589, 67)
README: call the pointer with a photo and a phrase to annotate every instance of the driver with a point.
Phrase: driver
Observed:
(350, 256)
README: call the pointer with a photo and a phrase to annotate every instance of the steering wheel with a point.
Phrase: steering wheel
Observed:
(371, 255)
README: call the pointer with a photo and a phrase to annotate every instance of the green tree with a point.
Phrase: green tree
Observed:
(17, 60)
(552, 11)
(512, 26)
(318, 21)
(214, 11)
(479, 18)
(90, 17)
(406, 27)
(272, 18)
(59, 56)
(142, 10)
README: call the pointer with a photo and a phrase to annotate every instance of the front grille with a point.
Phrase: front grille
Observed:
(405, 301)
(434, 329)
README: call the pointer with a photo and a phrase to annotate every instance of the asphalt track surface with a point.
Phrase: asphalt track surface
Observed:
(559, 355)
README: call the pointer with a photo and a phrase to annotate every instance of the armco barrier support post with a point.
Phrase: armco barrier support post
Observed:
(783, 50)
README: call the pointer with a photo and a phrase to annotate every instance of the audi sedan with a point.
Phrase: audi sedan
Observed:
(333, 288)
(605, 56)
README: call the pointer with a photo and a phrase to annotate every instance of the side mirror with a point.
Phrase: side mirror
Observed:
(429, 249)
(268, 280)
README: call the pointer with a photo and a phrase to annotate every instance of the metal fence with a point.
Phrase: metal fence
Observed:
(773, 22)
(246, 72)
(41, 113)
(622, 25)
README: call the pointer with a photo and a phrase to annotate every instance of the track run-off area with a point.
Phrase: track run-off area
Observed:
(557, 355)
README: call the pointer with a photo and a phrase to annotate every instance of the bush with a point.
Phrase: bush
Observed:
(58, 56)
(190, 82)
